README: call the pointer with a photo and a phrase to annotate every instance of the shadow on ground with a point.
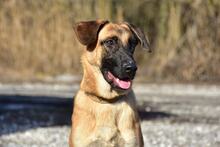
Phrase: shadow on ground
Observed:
(19, 112)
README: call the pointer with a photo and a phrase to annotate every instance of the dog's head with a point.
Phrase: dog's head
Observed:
(110, 47)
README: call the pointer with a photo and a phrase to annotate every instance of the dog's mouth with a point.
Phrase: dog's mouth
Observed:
(123, 84)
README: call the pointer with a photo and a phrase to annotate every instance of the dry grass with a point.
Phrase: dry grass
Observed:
(36, 36)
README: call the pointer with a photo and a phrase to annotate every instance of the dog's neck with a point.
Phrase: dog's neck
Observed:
(94, 83)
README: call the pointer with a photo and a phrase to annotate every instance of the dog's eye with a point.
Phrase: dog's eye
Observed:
(110, 42)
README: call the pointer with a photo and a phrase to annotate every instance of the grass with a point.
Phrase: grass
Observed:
(36, 37)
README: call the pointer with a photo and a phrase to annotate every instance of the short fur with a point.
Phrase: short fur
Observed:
(103, 116)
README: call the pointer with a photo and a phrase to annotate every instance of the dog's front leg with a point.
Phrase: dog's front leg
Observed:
(130, 129)
(139, 134)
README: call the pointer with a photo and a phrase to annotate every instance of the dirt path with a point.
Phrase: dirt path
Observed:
(172, 115)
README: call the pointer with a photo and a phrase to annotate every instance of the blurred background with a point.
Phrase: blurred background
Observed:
(37, 39)
(177, 85)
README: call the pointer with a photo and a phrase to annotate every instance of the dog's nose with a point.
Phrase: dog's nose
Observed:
(129, 67)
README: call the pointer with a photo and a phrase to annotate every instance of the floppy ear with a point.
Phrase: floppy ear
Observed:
(140, 35)
(87, 31)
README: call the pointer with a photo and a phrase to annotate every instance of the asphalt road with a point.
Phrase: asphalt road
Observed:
(173, 115)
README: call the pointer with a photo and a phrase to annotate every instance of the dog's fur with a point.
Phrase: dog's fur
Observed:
(104, 115)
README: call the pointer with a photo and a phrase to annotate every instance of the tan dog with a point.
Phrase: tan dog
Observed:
(105, 113)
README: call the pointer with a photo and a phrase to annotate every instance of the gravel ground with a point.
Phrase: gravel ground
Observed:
(173, 115)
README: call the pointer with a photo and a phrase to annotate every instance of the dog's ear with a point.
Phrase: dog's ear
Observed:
(140, 35)
(87, 31)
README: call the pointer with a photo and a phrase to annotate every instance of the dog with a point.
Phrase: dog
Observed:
(105, 113)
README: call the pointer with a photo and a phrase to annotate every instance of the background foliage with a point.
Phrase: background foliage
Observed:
(36, 36)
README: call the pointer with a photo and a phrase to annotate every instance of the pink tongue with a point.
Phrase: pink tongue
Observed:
(120, 83)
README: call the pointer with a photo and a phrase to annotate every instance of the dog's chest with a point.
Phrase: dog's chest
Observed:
(109, 121)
